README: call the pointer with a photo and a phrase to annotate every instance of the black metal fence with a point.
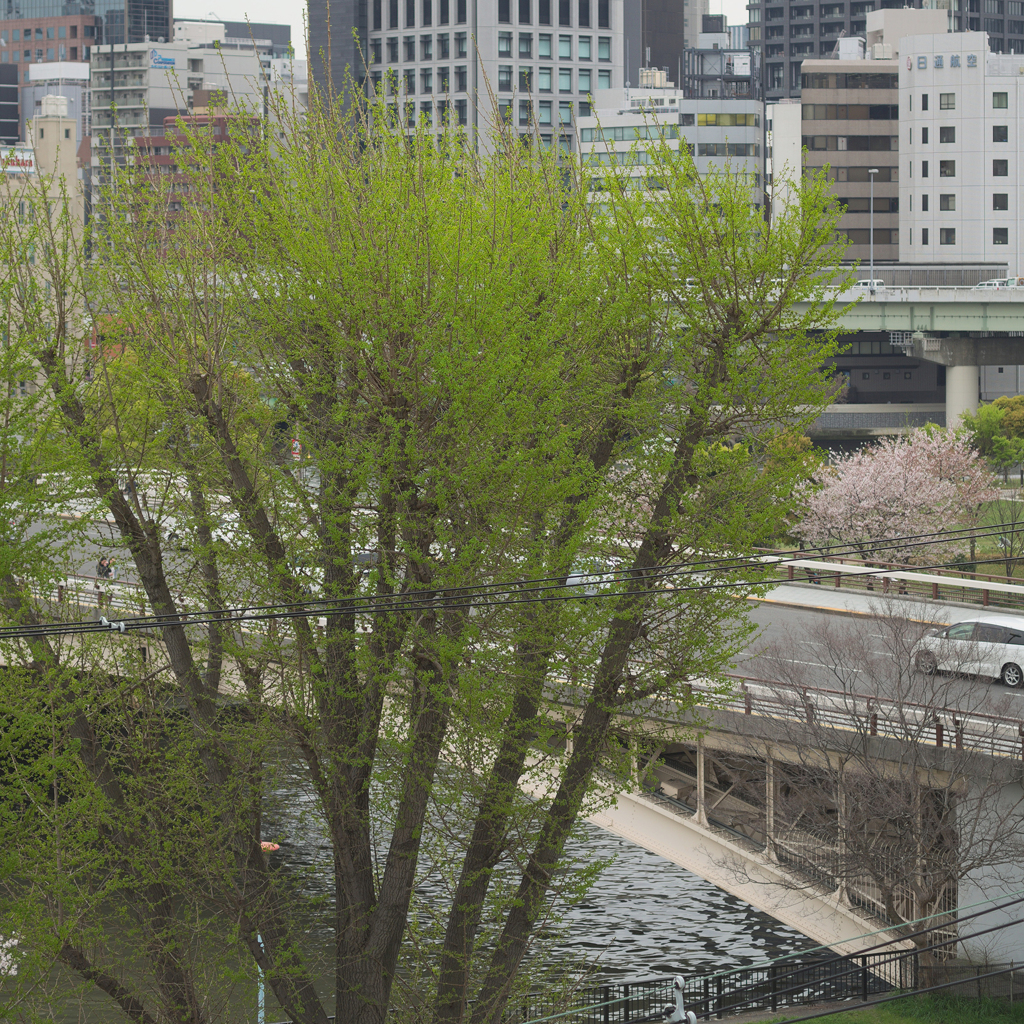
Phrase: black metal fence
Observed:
(771, 987)
(774, 986)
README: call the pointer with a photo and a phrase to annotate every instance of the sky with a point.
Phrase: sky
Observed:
(277, 12)
(292, 11)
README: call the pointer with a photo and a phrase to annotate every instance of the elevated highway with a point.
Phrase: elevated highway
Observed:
(960, 328)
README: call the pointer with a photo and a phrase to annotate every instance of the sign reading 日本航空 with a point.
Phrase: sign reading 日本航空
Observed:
(159, 60)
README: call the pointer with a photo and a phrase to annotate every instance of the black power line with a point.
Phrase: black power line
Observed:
(492, 595)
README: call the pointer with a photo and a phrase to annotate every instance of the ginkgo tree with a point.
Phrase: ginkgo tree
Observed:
(496, 384)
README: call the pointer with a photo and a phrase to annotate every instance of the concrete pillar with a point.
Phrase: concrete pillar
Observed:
(961, 392)
(769, 806)
(702, 814)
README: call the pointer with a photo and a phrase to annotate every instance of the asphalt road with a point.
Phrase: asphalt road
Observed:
(861, 652)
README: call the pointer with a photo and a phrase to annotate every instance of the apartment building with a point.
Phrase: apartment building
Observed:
(269, 39)
(530, 62)
(137, 86)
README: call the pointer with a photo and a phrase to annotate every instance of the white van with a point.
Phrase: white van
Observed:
(990, 646)
(875, 284)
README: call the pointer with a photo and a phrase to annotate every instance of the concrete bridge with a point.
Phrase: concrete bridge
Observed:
(721, 803)
(960, 328)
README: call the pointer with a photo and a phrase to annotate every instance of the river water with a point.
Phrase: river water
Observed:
(643, 915)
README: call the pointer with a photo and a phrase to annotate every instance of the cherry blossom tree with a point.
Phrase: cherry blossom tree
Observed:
(928, 482)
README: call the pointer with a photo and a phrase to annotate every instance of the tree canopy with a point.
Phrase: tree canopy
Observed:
(494, 385)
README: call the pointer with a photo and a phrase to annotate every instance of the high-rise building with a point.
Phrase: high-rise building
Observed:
(8, 104)
(791, 31)
(338, 39)
(669, 27)
(538, 62)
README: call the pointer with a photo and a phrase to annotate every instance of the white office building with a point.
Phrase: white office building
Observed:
(538, 62)
(722, 134)
(960, 122)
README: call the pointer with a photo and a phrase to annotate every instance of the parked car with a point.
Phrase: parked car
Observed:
(992, 646)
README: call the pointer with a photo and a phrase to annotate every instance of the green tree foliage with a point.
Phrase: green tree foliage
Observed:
(493, 379)
(997, 431)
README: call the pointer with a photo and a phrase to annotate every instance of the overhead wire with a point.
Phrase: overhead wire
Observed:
(484, 595)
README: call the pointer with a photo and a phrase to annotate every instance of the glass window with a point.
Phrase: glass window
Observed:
(525, 45)
(565, 47)
(946, 202)
(584, 108)
(604, 79)
(604, 47)
(460, 44)
(999, 101)
(427, 113)
(62, 32)
(544, 45)
(504, 44)
(947, 168)
(426, 48)
(460, 80)
(443, 50)
(443, 80)
(544, 79)
(410, 48)
(49, 53)
(1000, 168)
(427, 80)
(1000, 133)
(947, 134)
(524, 14)
(543, 12)
(604, 19)
(460, 111)
(410, 82)
(564, 12)
(1000, 236)
(504, 78)
(428, 13)
(375, 51)
(584, 77)
(442, 12)
(947, 236)
(924, 168)
(565, 112)
(565, 80)
(526, 79)
(393, 50)
(49, 32)
(410, 13)
(504, 11)
(544, 111)
(947, 101)
(1000, 201)
(583, 48)
(924, 236)
(460, 17)
(584, 14)
(961, 631)
(525, 112)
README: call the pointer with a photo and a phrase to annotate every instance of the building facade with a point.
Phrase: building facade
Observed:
(850, 125)
(69, 79)
(792, 31)
(961, 112)
(270, 40)
(8, 104)
(720, 133)
(670, 27)
(148, 84)
(546, 63)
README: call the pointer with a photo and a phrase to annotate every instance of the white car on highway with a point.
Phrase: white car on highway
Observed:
(990, 646)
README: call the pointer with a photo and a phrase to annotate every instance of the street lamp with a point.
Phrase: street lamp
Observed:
(872, 171)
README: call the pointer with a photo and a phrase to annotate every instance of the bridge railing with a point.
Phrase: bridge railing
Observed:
(872, 715)
(898, 580)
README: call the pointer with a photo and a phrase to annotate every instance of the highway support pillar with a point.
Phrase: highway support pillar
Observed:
(961, 392)
(702, 814)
